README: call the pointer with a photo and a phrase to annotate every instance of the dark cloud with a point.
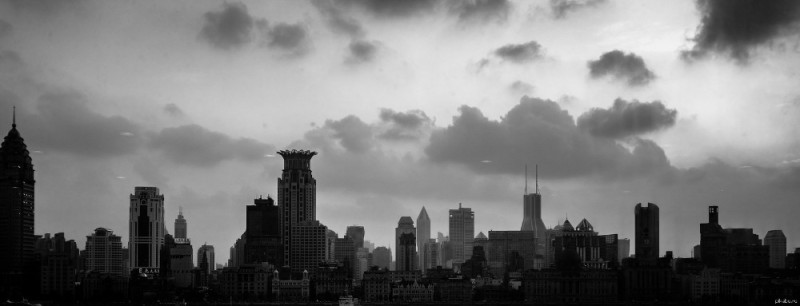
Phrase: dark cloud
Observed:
(410, 125)
(353, 134)
(629, 67)
(5, 29)
(520, 53)
(625, 119)
(537, 131)
(337, 20)
(230, 28)
(197, 146)
(362, 51)
(290, 38)
(63, 121)
(561, 8)
(480, 10)
(173, 110)
(520, 87)
(391, 8)
(734, 27)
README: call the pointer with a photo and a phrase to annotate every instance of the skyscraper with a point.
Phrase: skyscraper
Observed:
(462, 233)
(104, 252)
(405, 245)
(262, 241)
(297, 194)
(146, 229)
(16, 212)
(180, 225)
(646, 232)
(308, 246)
(423, 234)
(381, 257)
(532, 217)
(356, 232)
(205, 258)
(776, 242)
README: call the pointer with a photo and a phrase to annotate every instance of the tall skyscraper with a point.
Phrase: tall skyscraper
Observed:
(462, 233)
(357, 233)
(646, 232)
(104, 252)
(16, 212)
(405, 245)
(532, 216)
(776, 242)
(180, 225)
(262, 242)
(206, 252)
(146, 227)
(297, 195)
(423, 235)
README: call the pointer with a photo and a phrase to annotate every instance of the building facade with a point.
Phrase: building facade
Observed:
(104, 253)
(262, 237)
(423, 235)
(308, 246)
(146, 230)
(776, 242)
(462, 233)
(646, 232)
(297, 195)
(405, 249)
(205, 258)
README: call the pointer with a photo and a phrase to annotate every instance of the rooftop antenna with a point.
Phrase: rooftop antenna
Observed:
(180, 210)
(14, 117)
(537, 178)
(526, 179)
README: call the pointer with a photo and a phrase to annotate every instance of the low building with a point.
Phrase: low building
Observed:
(585, 286)
(247, 282)
(286, 289)
(412, 291)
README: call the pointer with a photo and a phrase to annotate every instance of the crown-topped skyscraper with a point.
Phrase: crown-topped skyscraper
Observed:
(16, 212)
(297, 195)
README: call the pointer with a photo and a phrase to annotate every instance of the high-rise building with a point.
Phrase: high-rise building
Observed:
(731, 249)
(146, 229)
(308, 246)
(262, 241)
(423, 234)
(206, 252)
(462, 233)
(59, 263)
(624, 250)
(356, 232)
(104, 253)
(776, 242)
(345, 252)
(381, 257)
(712, 238)
(646, 232)
(180, 225)
(16, 214)
(532, 216)
(405, 249)
(297, 195)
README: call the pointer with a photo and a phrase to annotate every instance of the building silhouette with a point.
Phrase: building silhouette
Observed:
(405, 245)
(462, 233)
(262, 237)
(17, 238)
(510, 251)
(624, 250)
(356, 232)
(532, 218)
(297, 194)
(146, 227)
(731, 249)
(646, 232)
(205, 258)
(308, 246)
(423, 235)
(104, 253)
(181, 254)
(180, 225)
(59, 264)
(345, 252)
(776, 242)
(381, 257)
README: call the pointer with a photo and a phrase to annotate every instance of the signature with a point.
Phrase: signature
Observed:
(785, 301)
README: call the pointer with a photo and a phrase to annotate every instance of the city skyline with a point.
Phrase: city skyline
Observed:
(201, 110)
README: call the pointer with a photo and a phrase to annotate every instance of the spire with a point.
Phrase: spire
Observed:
(537, 178)
(180, 210)
(14, 117)
(526, 179)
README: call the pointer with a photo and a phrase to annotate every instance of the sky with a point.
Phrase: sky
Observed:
(410, 104)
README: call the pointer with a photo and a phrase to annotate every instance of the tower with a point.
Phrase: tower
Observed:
(776, 241)
(180, 225)
(16, 211)
(104, 252)
(646, 232)
(423, 235)
(146, 229)
(297, 194)
(462, 233)
(532, 216)
(205, 258)
(405, 245)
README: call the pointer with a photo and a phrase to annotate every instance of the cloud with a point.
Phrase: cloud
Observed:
(197, 146)
(629, 67)
(5, 29)
(362, 51)
(290, 38)
(734, 27)
(520, 87)
(337, 20)
(353, 134)
(391, 8)
(520, 53)
(228, 29)
(537, 131)
(561, 8)
(480, 10)
(410, 125)
(625, 119)
(173, 110)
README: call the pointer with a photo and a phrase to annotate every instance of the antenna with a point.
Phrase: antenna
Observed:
(537, 178)
(180, 210)
(526, 179)
(14, 117)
